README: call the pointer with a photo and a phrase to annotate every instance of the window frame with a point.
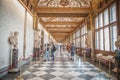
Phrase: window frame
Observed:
(109, 25)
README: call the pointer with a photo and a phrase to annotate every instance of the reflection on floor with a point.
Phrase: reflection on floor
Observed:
(62, 68)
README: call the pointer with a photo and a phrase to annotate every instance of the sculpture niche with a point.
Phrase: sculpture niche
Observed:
(13, 40)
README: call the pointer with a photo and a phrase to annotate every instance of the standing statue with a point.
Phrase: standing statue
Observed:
(117, 58)
(37, 39)
(117, 44)
(13, 40)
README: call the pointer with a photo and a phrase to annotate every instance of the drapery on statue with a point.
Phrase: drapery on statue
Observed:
(117, 43)
(37, 39)
(13, 40)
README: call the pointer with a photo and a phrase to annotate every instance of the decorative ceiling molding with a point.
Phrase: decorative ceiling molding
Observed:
(64, 26)
(61, 19)
(64, 3)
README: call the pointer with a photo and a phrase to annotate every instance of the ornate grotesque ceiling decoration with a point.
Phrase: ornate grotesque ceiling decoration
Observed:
(64, 26)
(71, 13)
(61, 19)
(64, 3)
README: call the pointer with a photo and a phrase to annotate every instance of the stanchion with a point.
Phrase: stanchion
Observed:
(30, 63)
(99, 64)
(20, 77)
(109, 71)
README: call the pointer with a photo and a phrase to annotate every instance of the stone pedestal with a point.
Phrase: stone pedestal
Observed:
(36, 53)
(14, 66)
(15, 58)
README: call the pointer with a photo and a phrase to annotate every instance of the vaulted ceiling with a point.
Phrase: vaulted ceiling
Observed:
(60, 17)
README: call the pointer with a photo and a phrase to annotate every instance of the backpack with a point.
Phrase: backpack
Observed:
(47, 48)
(54, 48)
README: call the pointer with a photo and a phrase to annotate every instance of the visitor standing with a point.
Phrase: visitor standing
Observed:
(47, 51)
(73, 49)
(53, 49)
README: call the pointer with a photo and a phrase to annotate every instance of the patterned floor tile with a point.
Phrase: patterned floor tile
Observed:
(67, 76)
(78, 78)
(86, 77)
(28, 76)
(91, 73)
(49, 70)
(58, 78)
(26, 73)
(62, 68)
(43, 68)
(57, 73)
(65, 70)
(74, 73)
(39, 73)
(35, 78)
(57, 68)
(47, 76)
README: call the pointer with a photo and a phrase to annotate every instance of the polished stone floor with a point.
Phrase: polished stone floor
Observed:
(62, 68)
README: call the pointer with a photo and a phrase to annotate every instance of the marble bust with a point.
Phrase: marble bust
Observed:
(13, 40)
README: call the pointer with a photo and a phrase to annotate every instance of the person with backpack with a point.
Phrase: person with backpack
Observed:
(53, 49)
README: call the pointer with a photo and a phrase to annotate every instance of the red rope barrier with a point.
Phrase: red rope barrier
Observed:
(11, 66)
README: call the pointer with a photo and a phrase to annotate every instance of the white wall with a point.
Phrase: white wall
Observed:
(11, 19)
(29, 36)
(12, 15)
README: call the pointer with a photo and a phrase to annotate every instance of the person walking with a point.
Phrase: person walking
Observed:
(73, 49)
(47, 52)
(53, 49)
(69, 50)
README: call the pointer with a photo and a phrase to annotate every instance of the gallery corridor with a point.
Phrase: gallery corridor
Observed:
(90, 29)
(62, 68)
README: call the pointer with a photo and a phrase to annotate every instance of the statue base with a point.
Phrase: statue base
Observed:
(14, 67)
(14, 70)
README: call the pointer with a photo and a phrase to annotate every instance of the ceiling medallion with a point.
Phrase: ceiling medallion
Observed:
(64, 2)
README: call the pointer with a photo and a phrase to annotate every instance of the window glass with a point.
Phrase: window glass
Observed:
(85, 28)
(97, 40)
(106, 18)
(101, 40)
(74, 36)
(105, 32)
(113, 30)
(96, 23)
(78, 33)
(83, 41)
(77, 42)
(106, 36)
(113, 13)
(100, 20)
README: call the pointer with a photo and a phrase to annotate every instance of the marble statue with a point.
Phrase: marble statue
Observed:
(37, 39)
(117, 44)
(13, 40)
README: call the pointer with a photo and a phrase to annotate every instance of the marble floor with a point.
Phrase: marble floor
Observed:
(62, 68)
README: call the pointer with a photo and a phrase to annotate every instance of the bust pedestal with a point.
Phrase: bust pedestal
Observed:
(36, 53)
(14, 57)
